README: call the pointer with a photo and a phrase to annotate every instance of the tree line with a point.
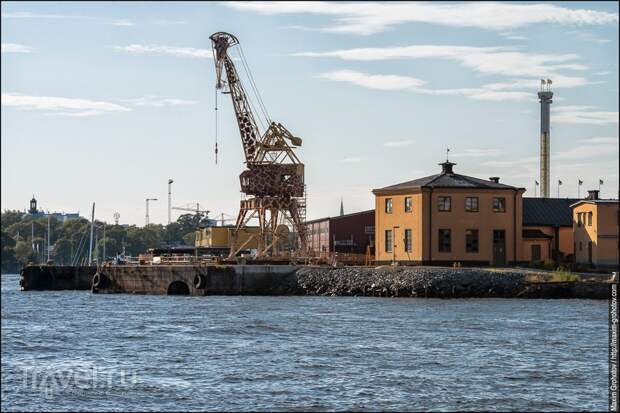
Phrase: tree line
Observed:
(24, 238)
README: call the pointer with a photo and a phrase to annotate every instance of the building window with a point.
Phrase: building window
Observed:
(499, 204)
(589, 219)
(444, 240)
(443, 202)
(471, 240)
(388, 240)
(471, 204)
(580, 246)
(388, 205)
(578, 219)
(408, 240)
(408, 204)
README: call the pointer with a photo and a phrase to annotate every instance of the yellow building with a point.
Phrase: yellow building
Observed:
(595, 229)
(548, 230)
(449, 218)
(219, 237)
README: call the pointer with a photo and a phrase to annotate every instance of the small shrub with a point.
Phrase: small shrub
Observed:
(548, 265)
(564, 276)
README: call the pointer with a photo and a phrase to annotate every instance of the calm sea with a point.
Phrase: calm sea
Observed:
(72, 350)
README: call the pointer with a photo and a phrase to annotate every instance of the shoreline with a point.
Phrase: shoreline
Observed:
(386, 281)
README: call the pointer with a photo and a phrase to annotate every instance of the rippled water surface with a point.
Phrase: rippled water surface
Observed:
(75, 350)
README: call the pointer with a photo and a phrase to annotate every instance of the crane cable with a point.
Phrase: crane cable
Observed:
(255, 90)
(216, 116)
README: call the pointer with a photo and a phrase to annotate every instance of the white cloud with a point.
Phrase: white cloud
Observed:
(485, 60)
(477, 153)
(122, 22)
(61, 105)
(399, 144)
(167, 50)
(158, 102)
(15, 48)
(589, 150)
(351, 160)
(29, 15)
(516, 37)
(412, 84)
(601, 140)
(164, 22)
(371, 17)
(588, 36)
(381, 82)
(583, 115)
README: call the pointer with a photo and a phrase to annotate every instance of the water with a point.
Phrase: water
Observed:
(75, 350)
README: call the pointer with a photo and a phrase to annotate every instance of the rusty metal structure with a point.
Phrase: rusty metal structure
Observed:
(273, 181)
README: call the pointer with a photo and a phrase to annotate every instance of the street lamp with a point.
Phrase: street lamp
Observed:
(170, 181)
(147, 209)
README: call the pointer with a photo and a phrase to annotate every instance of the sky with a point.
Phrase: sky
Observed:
(105, 101)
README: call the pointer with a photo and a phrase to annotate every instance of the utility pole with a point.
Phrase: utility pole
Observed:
(92, 228)
(48, 238)
(103, 242)
(147, 210)
(170, 181)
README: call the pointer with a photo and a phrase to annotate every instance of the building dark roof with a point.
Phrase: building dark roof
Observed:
(554, 212)
(341, 216)
(535, 234)
(446, 179)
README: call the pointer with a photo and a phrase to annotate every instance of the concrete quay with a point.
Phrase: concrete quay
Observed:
(256, 279)
(196, 279)
(56, 277)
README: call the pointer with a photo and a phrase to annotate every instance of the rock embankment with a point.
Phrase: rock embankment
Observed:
(411, 282)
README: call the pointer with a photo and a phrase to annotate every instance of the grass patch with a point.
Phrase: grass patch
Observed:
(563, 276)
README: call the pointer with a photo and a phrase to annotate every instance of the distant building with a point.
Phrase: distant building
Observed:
(547, 229)
(595, 228)
(59, 216)
(447, 218)
(351, 233)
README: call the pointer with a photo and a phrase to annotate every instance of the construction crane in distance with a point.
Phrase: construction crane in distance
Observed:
(195, 210)
(273, 181)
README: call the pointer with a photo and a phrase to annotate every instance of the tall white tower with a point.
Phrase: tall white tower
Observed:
(545, 95)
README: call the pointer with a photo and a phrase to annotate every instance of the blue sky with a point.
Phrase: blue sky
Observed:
(103, 102)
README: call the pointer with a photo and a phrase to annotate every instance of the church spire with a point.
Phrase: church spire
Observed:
(341, 207)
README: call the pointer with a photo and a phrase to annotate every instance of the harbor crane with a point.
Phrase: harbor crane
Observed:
(195, 210)
(273, 181)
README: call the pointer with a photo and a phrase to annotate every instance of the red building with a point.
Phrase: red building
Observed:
(351, 233)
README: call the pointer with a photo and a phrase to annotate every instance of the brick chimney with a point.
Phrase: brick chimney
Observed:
(593, 194)
(494, 179)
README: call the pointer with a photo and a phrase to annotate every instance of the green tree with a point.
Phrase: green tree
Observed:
(9, 263)
(10, 217)
(63, 251)
(24, 253)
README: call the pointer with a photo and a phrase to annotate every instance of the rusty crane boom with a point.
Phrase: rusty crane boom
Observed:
(273, 181)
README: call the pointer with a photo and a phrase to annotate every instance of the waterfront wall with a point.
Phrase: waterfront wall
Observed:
(200, 280)
(196, 280)
(53, 277)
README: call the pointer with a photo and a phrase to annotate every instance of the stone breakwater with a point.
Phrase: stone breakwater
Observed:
(436, 282)
(410, 282)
